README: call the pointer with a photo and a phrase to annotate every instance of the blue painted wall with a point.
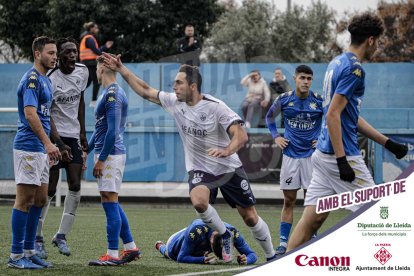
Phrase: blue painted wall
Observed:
(154, 148)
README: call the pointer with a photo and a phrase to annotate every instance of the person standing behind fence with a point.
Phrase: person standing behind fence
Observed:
(189, 47)
(302, 109)
(257, 98)
(88, 52)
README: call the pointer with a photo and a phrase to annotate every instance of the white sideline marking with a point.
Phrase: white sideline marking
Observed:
(213, 271)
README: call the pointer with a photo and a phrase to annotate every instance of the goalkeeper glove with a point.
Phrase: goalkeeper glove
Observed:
(398, 149)
(346, 172)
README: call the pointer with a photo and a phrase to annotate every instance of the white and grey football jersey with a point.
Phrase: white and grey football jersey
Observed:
(66, 97)
(202, 127)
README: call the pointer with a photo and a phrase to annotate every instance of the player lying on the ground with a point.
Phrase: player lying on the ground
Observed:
(199, 244)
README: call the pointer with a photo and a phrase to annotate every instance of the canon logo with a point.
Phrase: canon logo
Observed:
(304, 260)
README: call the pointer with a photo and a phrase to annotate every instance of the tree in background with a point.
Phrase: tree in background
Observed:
(145, 30)
(259, 32)
(241, 34)
(397, 44)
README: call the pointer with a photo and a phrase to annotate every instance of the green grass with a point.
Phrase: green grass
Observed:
(148, 223)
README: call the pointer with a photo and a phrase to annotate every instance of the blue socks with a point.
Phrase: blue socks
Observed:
(113, 224)
(31, 227)
(284, 233)
(125, 231)
(18, 221)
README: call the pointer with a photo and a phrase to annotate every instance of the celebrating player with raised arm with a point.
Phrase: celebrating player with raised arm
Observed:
(338, 166)
(212, 134)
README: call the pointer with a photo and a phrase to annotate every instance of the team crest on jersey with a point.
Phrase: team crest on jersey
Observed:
(192, 235)
(199, 231)
(244, 185)
(312, 106)
(203, 116)
(32, 77)
(111, 99)
(205, 229)
(357, 72)
(291, 104)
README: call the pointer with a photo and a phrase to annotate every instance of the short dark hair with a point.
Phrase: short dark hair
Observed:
(363, 26)
(303, 69)
(192, 75)
(89, 25)
(188, 25)
(62, 41)
(40, 42)
(217, 246)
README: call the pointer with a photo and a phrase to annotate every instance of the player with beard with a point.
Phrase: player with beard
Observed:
(32, 153)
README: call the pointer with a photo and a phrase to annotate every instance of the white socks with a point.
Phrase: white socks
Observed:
(43, 214)
(212, 219)
(68, 218)
(262, 235)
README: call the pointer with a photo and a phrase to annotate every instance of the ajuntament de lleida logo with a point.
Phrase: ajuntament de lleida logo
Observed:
(384, 212)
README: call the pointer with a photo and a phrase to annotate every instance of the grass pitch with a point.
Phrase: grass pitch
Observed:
(149, 223)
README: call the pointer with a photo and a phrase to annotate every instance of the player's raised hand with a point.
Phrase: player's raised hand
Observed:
(218, 152)
(112, 62)
(242, 259)
(281, 142)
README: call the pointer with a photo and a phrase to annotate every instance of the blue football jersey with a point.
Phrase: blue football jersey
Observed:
(34, 90)
(190, 244)
(344, 76)
(302, 119)
(111, 115)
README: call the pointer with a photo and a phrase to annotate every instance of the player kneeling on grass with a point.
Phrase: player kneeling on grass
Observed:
(199, 244)
(107, 140)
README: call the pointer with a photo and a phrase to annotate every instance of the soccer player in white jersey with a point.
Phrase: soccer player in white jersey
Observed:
(302, 110)
(212, 134)
(338, 166)
(68, 132)
(33, 152)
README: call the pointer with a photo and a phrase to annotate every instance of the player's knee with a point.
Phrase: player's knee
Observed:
(40, 201)
(74, 187)
(250, 220)
(200, 206)
(289, 203)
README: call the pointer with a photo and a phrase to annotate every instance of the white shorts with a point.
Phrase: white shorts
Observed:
(112, 173)
(325, 178)
(295, 173)
(30, 167)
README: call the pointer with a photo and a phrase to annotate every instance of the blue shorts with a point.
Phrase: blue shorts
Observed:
(234, 186)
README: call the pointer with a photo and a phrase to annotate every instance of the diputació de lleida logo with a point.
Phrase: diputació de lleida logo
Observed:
(384, 212)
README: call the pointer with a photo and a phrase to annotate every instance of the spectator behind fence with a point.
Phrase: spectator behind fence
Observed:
(279, 84)
(89, 51)
(257, 98)
(189, 47)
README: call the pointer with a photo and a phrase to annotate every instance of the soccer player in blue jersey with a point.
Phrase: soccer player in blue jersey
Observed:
(337, 163)
(107, 140)
(33, 152)
(302, 110)
(195, 243)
